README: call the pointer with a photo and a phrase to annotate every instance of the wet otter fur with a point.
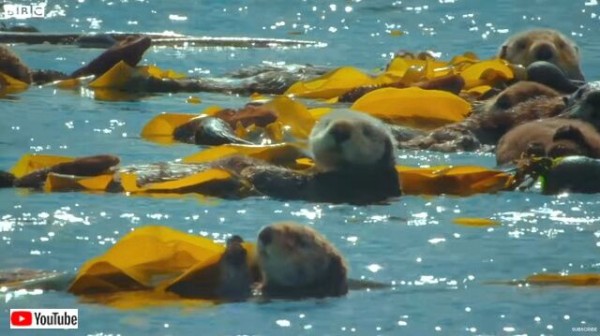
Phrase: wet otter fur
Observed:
(354, 163)
(293, 261)
(575, 132)
(296, 261)
(524, 101)
(13, 66)
(548, 45)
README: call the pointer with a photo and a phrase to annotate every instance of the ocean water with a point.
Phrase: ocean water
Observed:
(442, 271)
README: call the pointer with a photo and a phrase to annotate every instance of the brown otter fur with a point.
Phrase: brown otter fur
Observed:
(524, 101)
(297, 261)
(13, 66)
(553, 137)
(543, 45)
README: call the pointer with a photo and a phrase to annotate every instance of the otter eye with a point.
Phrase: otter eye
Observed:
(367, 131)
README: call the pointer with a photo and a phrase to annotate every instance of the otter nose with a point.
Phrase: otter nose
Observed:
(340, 132)
(543, 52)
(266, 236)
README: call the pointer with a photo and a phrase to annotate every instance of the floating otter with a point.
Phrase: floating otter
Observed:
(13, 66)
(555, 137)
(575, 133)
(548, 45)
(129, 50)
(297, 261)
(354, 163)
(524, 101)
(293, 261)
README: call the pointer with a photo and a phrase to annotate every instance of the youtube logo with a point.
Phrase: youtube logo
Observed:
(21, 318)
(44, 318)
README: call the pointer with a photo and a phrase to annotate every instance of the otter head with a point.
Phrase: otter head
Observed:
(344, 139)
(543, 45)
(568, 140)
(296, 261)
(518, 93)
(13, 66)
(584, 104)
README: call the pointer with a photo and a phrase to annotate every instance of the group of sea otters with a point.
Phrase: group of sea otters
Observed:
(552, 113)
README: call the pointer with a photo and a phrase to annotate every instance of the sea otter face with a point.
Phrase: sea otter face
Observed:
(584, 104)
(345, 138)
(294, 256)
(543, 45)
(518, 93)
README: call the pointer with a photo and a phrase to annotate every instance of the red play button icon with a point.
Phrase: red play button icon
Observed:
(21, 318)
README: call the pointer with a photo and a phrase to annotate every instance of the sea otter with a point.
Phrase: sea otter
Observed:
(354, 163)
(293, 261)
(554, 137)
(548, 45)
(575, 132)
(129, 50)
(297, 261)
(353, 154)
(521, 102)
(13, 66)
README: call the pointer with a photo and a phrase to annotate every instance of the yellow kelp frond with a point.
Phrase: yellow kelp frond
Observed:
(11, 85)
(280, 153)
(192, 183)
(58, 182)
(116, 78)
(154, 71)
(134, 261)
(292, 114)
(414, 106)
(332, 84)
(29, 163)
(585, 279)
(164, 124)
(486, 73)
(475, 222)
(461, 181)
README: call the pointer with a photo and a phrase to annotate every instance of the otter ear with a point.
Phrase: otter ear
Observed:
(503, 51)
(337, 277)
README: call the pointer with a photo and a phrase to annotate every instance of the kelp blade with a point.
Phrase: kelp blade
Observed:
(137, 258)
(332, 84)
(475, 222)
(116, 78)
(59, 182)
(586, 279)
(292, 114)
(29, 163)
(414, 106)
(163, 125)
(10, 84)
(486, 73)
(460, 181)
(181, 185)
(273, 153)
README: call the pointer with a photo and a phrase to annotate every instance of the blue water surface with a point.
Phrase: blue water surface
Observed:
(442, 271)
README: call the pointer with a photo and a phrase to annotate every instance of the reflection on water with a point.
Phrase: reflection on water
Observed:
(439, 270)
